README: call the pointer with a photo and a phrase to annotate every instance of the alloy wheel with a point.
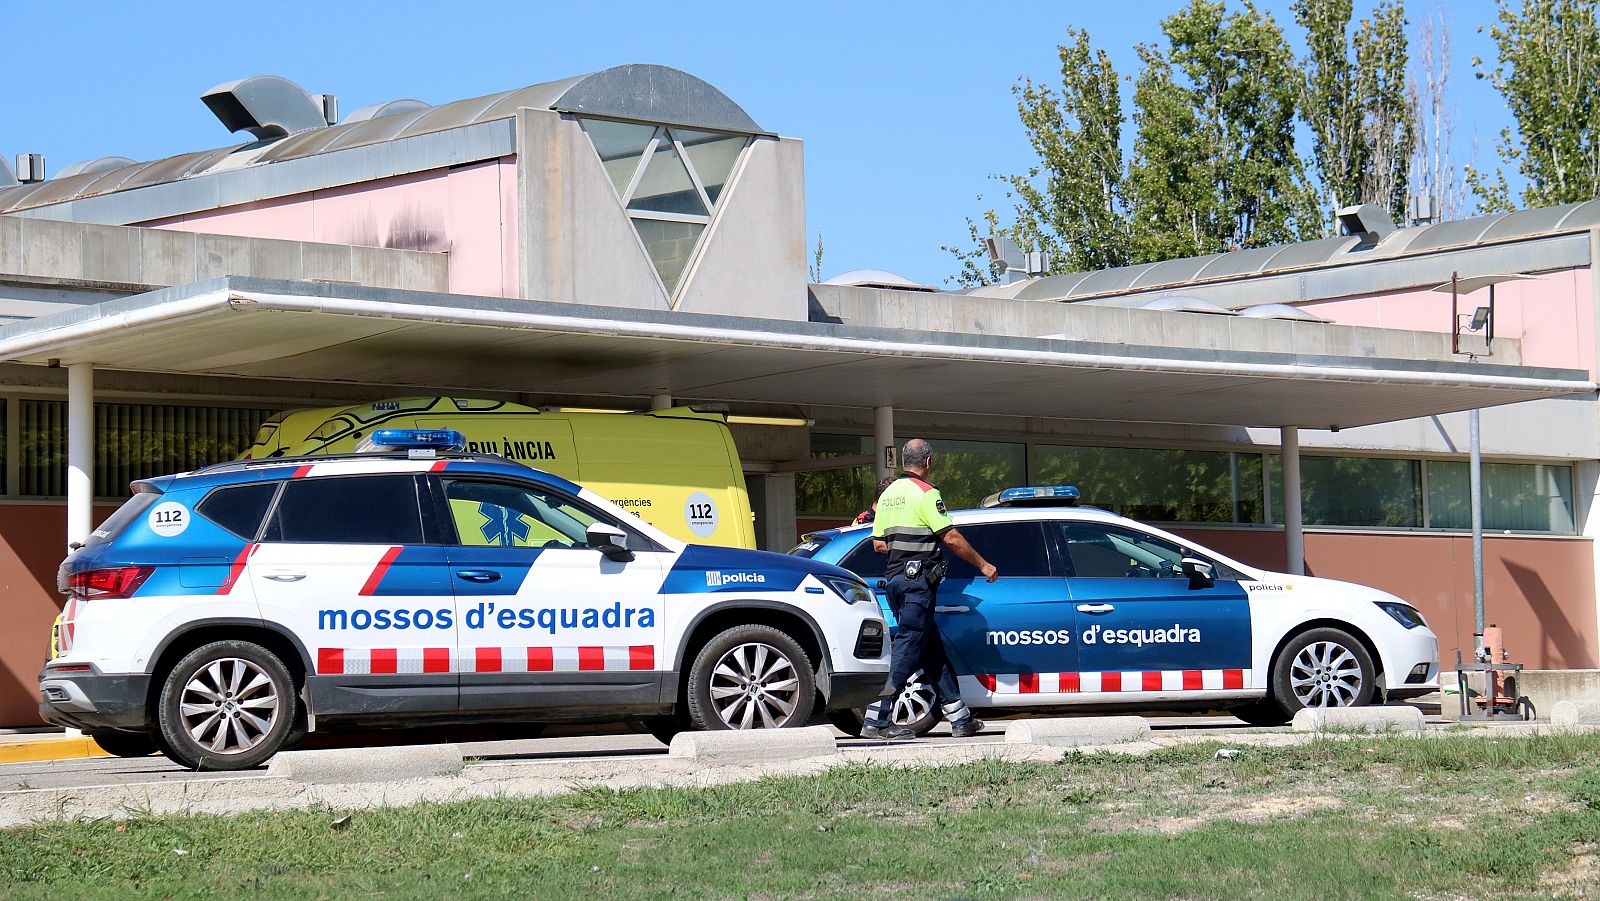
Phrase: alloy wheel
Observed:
(755, 686)
(229, 705)
(1326, 674)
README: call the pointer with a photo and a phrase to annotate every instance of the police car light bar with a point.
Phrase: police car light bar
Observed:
(1042, 496)
(414, 440)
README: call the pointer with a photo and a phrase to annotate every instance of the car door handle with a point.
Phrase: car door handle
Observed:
(284, 575)
(959, 608)
(1095, 608)
(479, 575)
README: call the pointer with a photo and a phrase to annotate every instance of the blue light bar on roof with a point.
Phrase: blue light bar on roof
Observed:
(417, 439)
(1037, 496)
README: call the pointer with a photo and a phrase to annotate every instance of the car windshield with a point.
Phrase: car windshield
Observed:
(811, 544)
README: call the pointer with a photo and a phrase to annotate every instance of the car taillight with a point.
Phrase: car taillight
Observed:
(115, 582)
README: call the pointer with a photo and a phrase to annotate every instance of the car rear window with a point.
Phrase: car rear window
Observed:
(380, 509)
(810, 546)
(239, 508)
(130, 510)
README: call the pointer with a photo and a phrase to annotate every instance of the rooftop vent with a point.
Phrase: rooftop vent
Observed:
(30, 167)
(98, 164)
(1369, 222)
(379, 110)
(1186, 305)
(1279, 311)
(267, 106)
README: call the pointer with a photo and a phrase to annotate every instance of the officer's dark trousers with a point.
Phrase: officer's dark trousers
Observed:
(917, 646)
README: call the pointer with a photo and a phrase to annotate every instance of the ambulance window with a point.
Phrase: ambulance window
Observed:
(348, 510)
(239, 508)
(1107, 552)
(1015, 548)
(504, 514)
(331, 428)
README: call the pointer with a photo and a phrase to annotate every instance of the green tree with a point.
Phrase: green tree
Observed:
(1215, 166)
(1549, 73)
(1354, 97)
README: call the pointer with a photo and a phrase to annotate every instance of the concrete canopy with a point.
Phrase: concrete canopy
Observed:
(340, 333)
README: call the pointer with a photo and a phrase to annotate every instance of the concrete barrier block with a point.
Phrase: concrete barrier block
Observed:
(1071, 732)
(1371, 719)
(1575, 713)
(341, 765)
(754, 745)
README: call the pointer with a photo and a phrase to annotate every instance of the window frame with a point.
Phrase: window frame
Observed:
(445, 525)
(423, 510)
(266, 514)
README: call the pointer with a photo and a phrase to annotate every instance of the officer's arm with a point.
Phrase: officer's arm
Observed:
(881, 546)
(958, 545)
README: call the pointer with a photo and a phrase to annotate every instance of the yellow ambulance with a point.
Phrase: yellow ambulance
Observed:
(676, 469)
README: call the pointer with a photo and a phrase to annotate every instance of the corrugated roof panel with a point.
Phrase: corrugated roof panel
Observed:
(1527, 222)
(1452, 234)
(1173, 272)
(1052, 287)
(1239, 262)
(1584, 215)
(539, 96)
(1308, 253)
(1119, 279)
(371, 131)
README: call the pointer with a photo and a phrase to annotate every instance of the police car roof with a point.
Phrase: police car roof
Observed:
(1006, 514)
(272, 468)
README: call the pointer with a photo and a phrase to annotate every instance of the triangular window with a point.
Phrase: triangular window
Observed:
(670, 180)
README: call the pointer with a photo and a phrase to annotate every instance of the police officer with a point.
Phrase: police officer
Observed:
(913, 527)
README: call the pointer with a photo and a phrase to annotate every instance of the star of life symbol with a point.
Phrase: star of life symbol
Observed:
(503, 526)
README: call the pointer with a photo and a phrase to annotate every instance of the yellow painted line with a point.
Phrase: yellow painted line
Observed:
(49, 749)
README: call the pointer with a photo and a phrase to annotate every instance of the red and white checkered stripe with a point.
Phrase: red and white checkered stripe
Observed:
(383, 661)
(376, 464)
(1172, 680)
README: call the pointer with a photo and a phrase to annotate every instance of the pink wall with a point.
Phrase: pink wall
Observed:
(468, 211)
(1553, 316)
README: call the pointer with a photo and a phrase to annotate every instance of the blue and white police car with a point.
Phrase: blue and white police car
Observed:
(1096, 610)
(221, 613)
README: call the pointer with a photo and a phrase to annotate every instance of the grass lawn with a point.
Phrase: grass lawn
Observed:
(1436, 818)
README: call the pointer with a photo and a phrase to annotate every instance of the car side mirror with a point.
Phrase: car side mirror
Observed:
(608, 540)
(1201, 574)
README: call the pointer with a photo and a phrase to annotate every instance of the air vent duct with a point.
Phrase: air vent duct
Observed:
(1369, 222)
(379, 110)
(98, 164)
(267, 106)
(30, 167)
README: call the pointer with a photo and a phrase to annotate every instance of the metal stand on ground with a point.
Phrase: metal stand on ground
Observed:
(1498, 705)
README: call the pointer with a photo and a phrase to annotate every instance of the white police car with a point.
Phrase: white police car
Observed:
(1094, 609)
(220, 613)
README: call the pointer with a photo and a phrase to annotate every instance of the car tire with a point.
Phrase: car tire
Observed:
(124, 744)
(751, 677)
(1322, 667)
(916, 699)
(227, 705)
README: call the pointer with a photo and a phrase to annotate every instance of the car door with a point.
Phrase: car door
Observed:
(1011, 641)
(1142, 626)
(343, 563)
(545, 620)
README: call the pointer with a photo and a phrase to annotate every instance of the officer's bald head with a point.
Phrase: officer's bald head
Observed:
(916, 454)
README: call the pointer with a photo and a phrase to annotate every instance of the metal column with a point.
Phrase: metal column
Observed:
(888, 456)
(1475, 469)
(80, 452)
(1294, 537)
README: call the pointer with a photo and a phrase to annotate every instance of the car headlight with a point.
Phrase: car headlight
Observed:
(852, 591)
(1404, 614)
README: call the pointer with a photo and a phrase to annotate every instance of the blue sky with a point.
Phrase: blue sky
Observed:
(905, 108)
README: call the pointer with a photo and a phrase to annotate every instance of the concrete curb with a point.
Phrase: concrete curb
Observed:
(1575, 713)
(66, 747)
(754, 745)
(1371, 719)
(1071, 732)
(343, 765)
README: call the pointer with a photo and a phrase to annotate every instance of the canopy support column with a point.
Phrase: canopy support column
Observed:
(80, 453)
(661, 402)
(1294, 536)
(888, 456)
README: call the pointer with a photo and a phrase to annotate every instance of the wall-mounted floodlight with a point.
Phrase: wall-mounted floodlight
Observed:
(1480, 318)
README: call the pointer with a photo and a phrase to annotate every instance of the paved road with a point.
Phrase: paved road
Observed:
(608, 743)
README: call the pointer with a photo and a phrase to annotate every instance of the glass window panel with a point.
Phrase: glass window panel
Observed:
(239, 508)
(835, 492)
(1157, 485)
(665, 186)
(670, 245)
(620, 144)
(866, 562)
(1354, 491)
(1017, 549)
(1107, 552)
(348, 510)
(969, 471)
(1523, 497)
(712, 156)
(496, 513)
